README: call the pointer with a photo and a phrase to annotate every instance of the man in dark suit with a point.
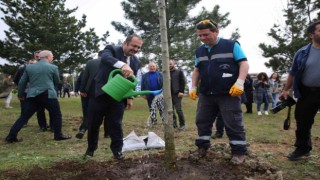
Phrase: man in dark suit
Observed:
(85, 85)
(113, 57)
(42, 78)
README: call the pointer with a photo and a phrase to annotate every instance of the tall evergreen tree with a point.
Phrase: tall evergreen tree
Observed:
(46, 24)
(289, 39)
(182, 39)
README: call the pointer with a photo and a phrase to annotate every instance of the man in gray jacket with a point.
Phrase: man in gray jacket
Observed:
(42, 78)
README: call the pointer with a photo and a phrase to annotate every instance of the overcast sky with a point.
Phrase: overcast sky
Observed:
(254, 18)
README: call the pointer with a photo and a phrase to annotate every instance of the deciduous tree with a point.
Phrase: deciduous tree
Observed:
(170, 153)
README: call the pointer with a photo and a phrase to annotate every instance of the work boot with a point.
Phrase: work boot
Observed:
(198, 154)
(237, 159)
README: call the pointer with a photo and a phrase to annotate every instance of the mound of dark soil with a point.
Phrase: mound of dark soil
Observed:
(215, 166)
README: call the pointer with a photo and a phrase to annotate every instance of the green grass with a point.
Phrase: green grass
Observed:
(265, 135)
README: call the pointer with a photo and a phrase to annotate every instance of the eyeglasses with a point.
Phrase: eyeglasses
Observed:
(207, 22)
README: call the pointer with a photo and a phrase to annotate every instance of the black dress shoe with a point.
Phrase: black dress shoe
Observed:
(43, 129)
(298, 154)
(80, 135)
(13, 140)
(118, 156)
(89, 153)
(62, 137)
(181, 128)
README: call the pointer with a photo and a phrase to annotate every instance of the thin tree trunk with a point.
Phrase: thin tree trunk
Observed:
(170, 153)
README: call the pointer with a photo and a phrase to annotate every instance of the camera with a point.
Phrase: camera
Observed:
(283, 104)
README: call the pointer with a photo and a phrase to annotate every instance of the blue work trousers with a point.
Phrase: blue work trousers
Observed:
(230, 108)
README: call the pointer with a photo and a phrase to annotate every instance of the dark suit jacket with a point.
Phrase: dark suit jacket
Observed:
(78, 83)
(19, 74)
(87, 83)
(110, 56)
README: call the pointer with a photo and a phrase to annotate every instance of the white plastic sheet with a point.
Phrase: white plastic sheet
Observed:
(132, 142)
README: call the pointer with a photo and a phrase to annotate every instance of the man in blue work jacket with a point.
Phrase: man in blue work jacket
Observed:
(221, 66)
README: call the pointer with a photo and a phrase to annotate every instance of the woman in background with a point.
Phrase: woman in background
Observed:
(261, 93)
(275, 88)
(8, 85)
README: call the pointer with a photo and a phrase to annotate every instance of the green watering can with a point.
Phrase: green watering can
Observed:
(120, 88)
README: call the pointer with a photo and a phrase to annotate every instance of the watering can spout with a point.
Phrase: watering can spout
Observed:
(136, 93)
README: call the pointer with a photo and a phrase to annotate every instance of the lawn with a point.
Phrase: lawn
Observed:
(265, 136)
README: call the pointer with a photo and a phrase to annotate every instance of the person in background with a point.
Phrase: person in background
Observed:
(261, 93)
(16, 80)
(59, 89)
(8, 85)
(112, 57)
(85, 85)
(42, 78)
(66, 89)
(157, 104)
(248, 90)
(178, 84)
(84, 107)
(304, 76)
(152, 80)
(139, 78)
(275, 88)
(219, 127)
(221, 66)
(41, 116)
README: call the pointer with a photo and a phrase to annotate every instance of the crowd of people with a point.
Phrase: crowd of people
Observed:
(220, 81)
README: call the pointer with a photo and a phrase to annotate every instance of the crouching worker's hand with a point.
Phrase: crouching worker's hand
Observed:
(237, 88)
(193, 93)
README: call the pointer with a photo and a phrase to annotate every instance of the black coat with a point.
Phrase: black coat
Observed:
(248, 89)
(110, 56)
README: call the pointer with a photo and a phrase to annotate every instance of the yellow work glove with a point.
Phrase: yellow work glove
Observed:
(193, 93)
(237, 88)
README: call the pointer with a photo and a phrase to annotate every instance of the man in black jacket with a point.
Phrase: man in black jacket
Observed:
(85, 85)
(112, 57)
(178, 83)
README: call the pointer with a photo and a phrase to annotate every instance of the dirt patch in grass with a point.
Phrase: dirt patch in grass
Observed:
(215, 165)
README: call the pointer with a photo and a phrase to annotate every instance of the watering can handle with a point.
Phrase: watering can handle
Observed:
(114, 72)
